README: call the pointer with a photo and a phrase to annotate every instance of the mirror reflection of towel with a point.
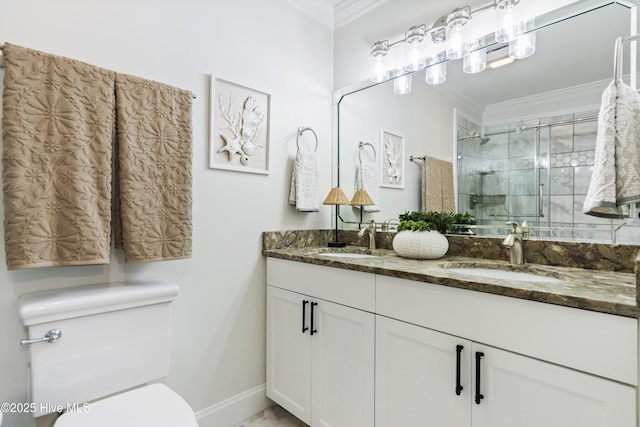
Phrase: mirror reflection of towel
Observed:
(437, 186)
(367, 179)
(616, 166)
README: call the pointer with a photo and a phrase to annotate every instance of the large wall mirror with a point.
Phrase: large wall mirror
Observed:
(521, 138)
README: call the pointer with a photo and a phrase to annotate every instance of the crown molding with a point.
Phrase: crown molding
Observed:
(346, 11)
(335, 13)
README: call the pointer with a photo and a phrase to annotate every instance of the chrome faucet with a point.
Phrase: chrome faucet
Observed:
(390, 224)
(371, 231)
(513, 243)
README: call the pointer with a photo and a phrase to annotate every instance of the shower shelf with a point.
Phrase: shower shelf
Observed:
(486, 200)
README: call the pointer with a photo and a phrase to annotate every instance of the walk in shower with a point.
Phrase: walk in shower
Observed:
(538, 171)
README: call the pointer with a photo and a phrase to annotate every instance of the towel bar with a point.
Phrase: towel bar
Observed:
(302, 130)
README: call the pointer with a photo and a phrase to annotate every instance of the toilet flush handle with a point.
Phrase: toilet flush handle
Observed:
(52, 336)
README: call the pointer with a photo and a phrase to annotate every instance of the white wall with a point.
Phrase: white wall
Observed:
(218, 328)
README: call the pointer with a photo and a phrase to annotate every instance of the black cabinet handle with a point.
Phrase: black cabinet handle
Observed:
(313, 330)
(459, 387)
(304, 316)
(479, 396)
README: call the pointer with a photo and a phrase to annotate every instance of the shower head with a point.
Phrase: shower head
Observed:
(484, 139)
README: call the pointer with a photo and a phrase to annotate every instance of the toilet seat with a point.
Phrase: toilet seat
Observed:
(155, 405)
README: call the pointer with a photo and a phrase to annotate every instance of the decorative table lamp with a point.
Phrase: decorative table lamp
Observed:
(336, 197)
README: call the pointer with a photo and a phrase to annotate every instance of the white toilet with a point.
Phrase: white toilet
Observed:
(109, 340)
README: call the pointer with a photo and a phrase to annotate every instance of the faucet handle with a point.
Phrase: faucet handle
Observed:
(514, 225)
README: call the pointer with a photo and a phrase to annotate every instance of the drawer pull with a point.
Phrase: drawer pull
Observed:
(304, 316)
(459, 387)
(313, 329)
(479, 395)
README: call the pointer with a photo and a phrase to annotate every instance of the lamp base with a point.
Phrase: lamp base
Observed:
(336, 245)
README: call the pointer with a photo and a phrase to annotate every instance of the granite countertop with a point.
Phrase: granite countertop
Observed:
(601, 291)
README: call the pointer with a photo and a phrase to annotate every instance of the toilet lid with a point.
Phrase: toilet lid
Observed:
(155, 405)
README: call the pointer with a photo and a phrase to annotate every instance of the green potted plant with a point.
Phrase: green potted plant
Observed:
(421, 235)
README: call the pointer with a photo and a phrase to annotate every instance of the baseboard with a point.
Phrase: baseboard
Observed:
(235, 409)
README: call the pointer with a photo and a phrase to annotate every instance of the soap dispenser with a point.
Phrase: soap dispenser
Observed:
(525, 230)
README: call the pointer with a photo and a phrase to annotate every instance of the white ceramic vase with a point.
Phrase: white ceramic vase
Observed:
(420, 244)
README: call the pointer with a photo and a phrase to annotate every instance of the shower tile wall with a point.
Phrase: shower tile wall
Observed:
(499, 180)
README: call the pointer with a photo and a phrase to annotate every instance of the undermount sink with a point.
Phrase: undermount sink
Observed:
(346, 255)
(505, 275)
(517, 273)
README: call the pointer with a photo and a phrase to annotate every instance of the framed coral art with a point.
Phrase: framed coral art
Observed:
(392, 160)
(239, 132)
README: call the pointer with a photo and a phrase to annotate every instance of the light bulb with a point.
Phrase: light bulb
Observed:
(510, 21)
(436, 74)
(457, 33)
(402, 84)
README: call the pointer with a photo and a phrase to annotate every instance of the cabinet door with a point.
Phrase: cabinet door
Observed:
(525, 392)
(416, 377)
(288, 352)
(343, 366)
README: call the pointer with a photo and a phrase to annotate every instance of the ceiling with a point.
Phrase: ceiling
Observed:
(335, 13)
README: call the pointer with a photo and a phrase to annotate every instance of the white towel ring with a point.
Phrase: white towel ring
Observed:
(302, 130)
(362, 146)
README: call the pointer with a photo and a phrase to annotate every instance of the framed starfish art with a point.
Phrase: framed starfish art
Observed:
(239, 136)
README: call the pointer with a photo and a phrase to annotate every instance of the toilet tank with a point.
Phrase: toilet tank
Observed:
(115, 336)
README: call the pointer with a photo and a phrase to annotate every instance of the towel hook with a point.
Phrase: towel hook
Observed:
(362, 146)
(302, 130)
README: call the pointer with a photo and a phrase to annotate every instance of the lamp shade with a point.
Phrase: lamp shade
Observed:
(362, 198)
(336, 197)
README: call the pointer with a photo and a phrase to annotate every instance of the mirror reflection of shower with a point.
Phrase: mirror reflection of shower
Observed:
(535, 170)
(483, 139)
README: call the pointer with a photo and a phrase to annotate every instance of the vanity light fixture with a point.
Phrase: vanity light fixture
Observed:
(457, 33)
(402, 85)
(509, 16)
(379, 71)
(524, 45)
(476, 60)
(412, 46)
(452, 36)
(436, 73)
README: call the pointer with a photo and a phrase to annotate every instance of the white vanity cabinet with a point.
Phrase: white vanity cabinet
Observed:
(424, 377)
(537, 364)
(320, 352)
(502, 387)
(525, 392)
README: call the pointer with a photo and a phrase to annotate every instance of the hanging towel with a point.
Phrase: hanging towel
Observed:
(153, 184)
(616, 171)
(437, 185)
(56, 157)
(367, 179)
(304, 182)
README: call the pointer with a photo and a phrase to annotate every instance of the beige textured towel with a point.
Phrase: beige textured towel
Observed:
(437, 186)
(57, 132)
(154, 178)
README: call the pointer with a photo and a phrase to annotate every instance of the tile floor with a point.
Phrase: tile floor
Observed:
(272, 417)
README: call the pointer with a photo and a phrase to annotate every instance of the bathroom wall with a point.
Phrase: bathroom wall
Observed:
(218, 326)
